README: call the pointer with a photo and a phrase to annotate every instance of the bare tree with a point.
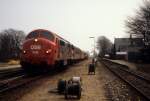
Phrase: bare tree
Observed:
(140, 23)
(104, 46)
(10, 40)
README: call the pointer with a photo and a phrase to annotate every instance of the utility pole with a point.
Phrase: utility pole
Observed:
(94, 45)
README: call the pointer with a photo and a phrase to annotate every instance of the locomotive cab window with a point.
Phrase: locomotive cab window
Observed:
(47, 35)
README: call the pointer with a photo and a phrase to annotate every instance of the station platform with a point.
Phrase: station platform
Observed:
(131, 65)
(3, 68)
(143, 67)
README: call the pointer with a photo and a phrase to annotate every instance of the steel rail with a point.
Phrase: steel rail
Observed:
(9, 84)
(10, 73)
(129, 82)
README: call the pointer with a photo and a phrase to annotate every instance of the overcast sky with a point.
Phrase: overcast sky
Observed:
(74, 20)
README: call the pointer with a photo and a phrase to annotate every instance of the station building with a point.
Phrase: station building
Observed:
(128, 49)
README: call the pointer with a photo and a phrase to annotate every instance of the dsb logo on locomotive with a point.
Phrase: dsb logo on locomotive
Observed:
(35, 47)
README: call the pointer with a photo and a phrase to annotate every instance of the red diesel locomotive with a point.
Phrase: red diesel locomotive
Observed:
(46, 49)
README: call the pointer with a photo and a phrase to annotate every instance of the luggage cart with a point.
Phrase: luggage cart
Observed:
(73, 88)
(91, 68)
(61, 86)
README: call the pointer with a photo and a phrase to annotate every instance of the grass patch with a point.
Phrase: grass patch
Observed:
(13, 62)
(9, 63)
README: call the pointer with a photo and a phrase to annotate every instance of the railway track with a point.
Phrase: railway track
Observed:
(137, 80)
(14, 82)
(13, 78)
(10, 82)
(4, 74)
(16, 78)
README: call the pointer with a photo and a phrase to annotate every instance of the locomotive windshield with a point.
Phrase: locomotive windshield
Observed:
(44, 34)
(47, 35)
(32, 35)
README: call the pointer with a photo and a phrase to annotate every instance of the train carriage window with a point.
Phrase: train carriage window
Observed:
(68, 45)
(72, 46)
(62, 43)
(57, 40)
(32, 35)
(47, 35)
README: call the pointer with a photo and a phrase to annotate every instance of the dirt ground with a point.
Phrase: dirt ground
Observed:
(92, 86)
(103, 86)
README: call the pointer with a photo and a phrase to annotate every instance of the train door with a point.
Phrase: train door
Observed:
(63, 55)
(57, 49)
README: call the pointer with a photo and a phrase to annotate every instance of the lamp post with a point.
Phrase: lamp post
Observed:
(94, 45)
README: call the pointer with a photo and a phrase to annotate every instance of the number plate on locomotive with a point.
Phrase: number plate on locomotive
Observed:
(37, 47)
(35, 52)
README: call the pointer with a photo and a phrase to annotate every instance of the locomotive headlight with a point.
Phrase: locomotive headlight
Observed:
(48, 51)
(24, 51)
(35, 40)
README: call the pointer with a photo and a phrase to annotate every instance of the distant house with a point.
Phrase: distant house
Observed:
(127, 48)
(122, 44)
